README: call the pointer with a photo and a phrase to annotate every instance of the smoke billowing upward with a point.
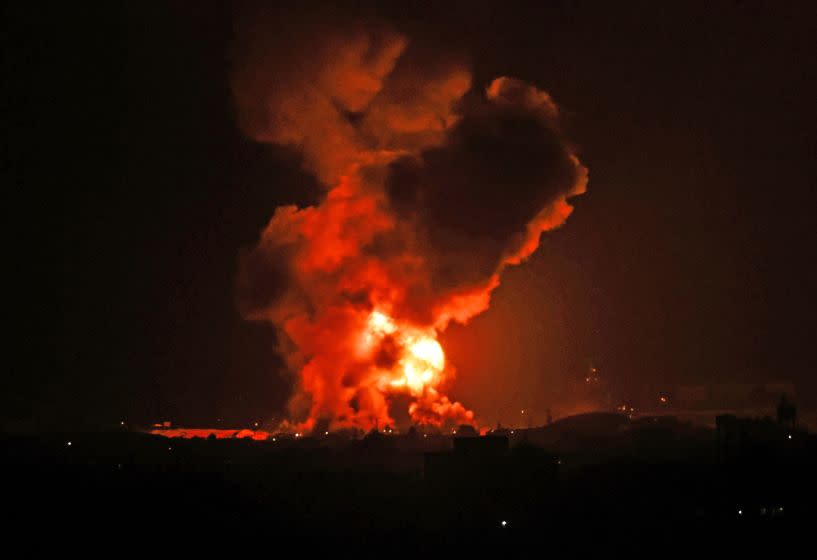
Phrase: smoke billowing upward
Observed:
(432, 188)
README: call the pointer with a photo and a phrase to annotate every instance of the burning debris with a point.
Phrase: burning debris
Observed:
(433, 187)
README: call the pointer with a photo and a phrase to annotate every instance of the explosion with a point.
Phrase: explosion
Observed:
(421, 359)
(433, 187)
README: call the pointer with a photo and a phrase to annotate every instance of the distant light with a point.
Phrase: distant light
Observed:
(455, 431)
(122, 423)
(740, 512)
(523, 411)
(511, 431)
(170, 449)
(69, 444)
(789, 436)
(273, 439)
(504, 523)
(256, 424)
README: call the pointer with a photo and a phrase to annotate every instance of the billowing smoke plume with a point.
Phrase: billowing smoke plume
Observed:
(432, 188)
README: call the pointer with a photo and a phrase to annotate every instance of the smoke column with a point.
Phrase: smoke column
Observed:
(432, 188)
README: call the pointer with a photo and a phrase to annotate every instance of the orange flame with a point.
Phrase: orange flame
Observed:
(418, 367)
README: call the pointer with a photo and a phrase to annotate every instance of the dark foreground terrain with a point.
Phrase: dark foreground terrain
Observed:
(593, 480)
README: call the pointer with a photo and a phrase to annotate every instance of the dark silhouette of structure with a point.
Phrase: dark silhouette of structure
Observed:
(786, 413)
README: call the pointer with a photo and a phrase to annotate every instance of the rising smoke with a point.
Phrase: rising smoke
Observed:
(432, 188)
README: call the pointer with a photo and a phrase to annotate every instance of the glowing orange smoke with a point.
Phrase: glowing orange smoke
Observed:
(430, 193)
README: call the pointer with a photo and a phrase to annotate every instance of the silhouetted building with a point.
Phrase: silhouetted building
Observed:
(487, 462)
(786, 413)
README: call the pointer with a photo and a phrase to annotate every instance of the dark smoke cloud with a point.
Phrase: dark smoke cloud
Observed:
(500, 164)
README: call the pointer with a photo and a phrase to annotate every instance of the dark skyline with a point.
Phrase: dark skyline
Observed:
(689, 260)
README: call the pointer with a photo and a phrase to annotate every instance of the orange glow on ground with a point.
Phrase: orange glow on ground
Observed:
(204, 433)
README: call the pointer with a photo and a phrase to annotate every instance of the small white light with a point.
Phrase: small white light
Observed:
(69, 444)
(789, 436)
(504, 523)
(326, 433)
(273, 439)
(122, 423)
(740, 512)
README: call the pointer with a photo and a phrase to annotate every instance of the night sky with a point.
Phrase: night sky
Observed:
(689, 260)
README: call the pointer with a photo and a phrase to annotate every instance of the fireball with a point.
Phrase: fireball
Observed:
(420, 361)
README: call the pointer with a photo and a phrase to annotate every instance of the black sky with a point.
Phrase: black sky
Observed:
(690, 259)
